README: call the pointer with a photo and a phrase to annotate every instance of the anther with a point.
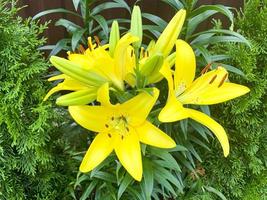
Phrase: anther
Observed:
(213, 79)
(223, 79)
(122, 137)
(106, 126)
(109, 135)
(81, 49)
(97, 40)
(147, 53)
(127, 129)
(206, 68)
(132, 53)
(112, 118)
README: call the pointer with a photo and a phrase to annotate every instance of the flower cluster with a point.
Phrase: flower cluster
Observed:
(126, 73)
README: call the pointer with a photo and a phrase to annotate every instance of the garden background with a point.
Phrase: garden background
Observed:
(41, 148)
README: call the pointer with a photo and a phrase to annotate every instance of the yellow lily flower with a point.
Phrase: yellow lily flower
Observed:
(120, 127)
(95, 59)
(210, 88)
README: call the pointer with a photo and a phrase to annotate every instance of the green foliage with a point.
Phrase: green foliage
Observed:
(243, 174)
(33, 156)
(89, 11)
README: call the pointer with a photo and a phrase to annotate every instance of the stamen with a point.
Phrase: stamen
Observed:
(206, 68)
(97, 40)
(81, 49)
(144, 54)
(127, 129)
(106, 126)
(223, 79)
(90, 45)
(122, 137)
(112, 118)
(132, 53)
(213, 79)
(109, 135)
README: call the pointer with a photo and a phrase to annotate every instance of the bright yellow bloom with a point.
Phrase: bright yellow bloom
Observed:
(86, 72)
(210, 88)
(120, 127)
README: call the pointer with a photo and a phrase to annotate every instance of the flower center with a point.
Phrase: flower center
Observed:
(118, 125)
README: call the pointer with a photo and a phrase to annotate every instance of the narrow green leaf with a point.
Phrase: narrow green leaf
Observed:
(156, 20)
(76, 4)
(56, 10)
(108, 5)
(70, 26)
(103, 23)
(76, 38)
(124, 184)
(148, 182)
(89, 190)
(62, 44)
(213, 190)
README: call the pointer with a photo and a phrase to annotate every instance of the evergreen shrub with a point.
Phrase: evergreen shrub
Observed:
(33, 155)
(243, 174)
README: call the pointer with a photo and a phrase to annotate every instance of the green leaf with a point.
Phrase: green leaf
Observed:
(124, 184)
(105, 176)
(162, 180)
(89, 190)
(76, 38)
(70, 26)
(148, 182)
(167, 157)
(56, 10)
(62, 44)
(156, 20)
(233, 37)
(76, 4)
(103, 23)
(109, 5)
(204, 12)
(213, 190)
(176, 4)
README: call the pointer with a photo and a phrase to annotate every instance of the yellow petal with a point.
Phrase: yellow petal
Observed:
(211, 88)
(167, 73)
(103, 95)
(215, 127)
(172, 111)
(67, 84)
(221, 94)
(92, 118)
(84, 61)
(58, 77)
(169, 36)
(185, 66)
(140, 106)
(151, 135)
(120, 54)
(129, 153)
(100, 148)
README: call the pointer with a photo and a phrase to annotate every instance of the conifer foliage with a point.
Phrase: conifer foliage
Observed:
(31, 148)
(243, 174)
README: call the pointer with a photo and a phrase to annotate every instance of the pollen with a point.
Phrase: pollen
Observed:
(213, 79)
(223, 80)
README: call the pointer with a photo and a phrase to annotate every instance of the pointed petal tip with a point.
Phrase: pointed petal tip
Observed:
(84, 169)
